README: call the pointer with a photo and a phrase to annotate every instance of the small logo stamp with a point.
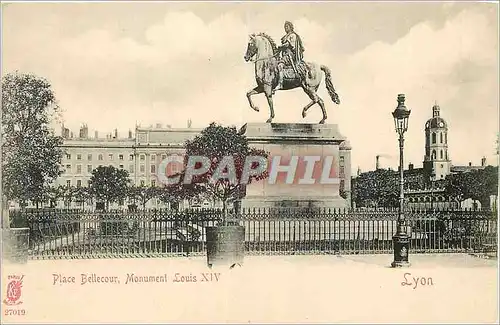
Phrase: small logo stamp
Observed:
(14, 285)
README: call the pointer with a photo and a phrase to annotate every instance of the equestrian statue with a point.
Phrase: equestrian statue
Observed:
(284, 68)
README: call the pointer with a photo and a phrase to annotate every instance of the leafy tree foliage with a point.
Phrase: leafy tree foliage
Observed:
(176, 193)
(142, 194)
(378, 188)
(109, 184)
(31, 153)
(215, 142)
(82, 195)
(475, 184)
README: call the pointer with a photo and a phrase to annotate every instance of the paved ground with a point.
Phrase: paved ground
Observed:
(325, 289)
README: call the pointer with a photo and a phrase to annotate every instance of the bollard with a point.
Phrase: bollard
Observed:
(15, 245)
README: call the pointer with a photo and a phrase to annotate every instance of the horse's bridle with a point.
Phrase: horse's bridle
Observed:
(261, 59)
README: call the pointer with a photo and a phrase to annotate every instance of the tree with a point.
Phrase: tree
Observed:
(176, 193)
(142, 194)
(109, 184)
(31, 153)
(216, 142)
(53, 194)
(476, 184)
(67, 193)
(82, 195)
(378, 188)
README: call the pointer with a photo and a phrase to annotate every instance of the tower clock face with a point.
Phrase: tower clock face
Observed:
(441, 124)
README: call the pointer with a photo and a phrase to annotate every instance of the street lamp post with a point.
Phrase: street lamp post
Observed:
(401, 239)
(433, 179)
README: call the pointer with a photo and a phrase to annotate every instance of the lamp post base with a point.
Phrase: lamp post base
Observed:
(401, 250)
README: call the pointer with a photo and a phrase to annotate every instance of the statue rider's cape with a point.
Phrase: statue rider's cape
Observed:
(297, 47)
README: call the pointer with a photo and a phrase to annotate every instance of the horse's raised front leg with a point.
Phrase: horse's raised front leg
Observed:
(269, 97)
(304, 110)
(255, 91)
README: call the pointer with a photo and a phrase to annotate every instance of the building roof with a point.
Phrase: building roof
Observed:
(463, 169)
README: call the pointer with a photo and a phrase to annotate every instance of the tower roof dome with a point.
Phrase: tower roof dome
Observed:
(436, 121)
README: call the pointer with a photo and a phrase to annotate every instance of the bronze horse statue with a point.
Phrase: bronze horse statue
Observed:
(263, 49)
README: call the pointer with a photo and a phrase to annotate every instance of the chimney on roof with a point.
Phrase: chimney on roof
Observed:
(71, 134)
(96, 134)
(65, 132)
(410, 166)
(130, 134)
(84, 131)
(470, 164)
(115, 136)
(189, 123)
(483, 161)
(158, 125)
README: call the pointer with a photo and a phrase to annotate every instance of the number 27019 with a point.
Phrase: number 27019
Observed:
(15, 312)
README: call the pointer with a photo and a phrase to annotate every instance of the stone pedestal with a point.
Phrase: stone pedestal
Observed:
(15, 244)
(322, 159)
(225, 245)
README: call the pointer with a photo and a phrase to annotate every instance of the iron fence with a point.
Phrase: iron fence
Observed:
(98, 234)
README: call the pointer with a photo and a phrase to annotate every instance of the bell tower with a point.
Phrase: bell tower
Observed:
(437, 163)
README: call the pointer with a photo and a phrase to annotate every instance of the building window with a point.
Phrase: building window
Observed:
(143, 157)
(110, 156)
(441, 154)
(153, 183)
(163, 157)
(433, 157)
(131, 169)
(441, 137)
(79, 157)
(143, 182)
(446, 153)
(68, 168)
(89, 169)
(446, 138)
(100, 157)
(341, 171)
(68, 156)
(433, 137)
(341, 161)
(68, 183)
(131, 157)
(153, 157)
(142, 169)
(89, 157)
(78, 169)
(153, 169)
(120, 157)
(79, 183)
(121, 166)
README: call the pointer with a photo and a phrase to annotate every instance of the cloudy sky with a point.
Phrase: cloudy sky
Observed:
(115, 64)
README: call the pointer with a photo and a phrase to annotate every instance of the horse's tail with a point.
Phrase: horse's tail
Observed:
(329, 85)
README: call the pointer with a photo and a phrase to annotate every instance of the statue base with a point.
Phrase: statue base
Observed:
(293, 145)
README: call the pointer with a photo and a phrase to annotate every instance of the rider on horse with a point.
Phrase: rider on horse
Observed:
(292, 51)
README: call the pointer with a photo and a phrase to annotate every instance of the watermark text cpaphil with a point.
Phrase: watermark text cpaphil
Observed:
(309, 169)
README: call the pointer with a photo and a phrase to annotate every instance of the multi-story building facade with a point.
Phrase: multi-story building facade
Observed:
(139, 153)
